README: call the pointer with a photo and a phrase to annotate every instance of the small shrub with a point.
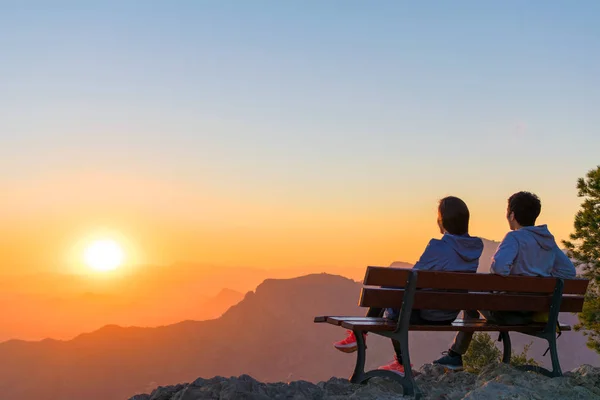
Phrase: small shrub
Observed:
(523, 358)
(483, 352)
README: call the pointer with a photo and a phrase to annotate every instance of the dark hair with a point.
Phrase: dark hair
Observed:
(526, 206)
(454, 215)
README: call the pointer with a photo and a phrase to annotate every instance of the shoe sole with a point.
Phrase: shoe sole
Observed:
(349, 349)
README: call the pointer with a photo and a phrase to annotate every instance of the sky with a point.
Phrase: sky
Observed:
(274, 134)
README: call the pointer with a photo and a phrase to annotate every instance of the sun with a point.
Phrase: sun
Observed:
(104, 255)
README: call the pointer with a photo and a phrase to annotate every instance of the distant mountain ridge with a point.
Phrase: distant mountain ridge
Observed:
(60, 306)
(268, 335)
(66, 317)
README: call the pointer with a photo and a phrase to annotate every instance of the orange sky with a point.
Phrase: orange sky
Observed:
(204, 137)
(45, 224)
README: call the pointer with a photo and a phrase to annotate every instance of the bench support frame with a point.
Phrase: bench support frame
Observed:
(548, 334)
(400, 339)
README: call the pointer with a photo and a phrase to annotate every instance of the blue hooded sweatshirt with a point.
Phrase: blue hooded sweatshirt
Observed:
(531, 251)
(451, 253)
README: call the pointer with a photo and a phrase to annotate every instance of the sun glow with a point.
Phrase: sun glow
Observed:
(104, 255)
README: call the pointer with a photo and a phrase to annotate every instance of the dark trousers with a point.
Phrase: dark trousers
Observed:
(415, 319)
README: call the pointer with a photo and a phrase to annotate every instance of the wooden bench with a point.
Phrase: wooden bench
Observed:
(401, 289)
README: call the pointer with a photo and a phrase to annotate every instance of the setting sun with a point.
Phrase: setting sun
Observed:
(103, 255)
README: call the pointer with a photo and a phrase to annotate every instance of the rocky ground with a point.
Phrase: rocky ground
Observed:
(495, 382)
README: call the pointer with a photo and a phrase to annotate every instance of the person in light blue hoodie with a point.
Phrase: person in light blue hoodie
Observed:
(456, 251)
(527, 250)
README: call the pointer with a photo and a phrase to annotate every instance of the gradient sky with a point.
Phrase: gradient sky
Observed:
(279, 133)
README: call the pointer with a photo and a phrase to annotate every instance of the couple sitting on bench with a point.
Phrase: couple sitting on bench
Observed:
(527, 250)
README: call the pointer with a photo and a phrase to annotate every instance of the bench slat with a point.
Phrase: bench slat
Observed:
(396, 277)
(473, 325)
(338, 320)
(470, 325)
(433, 300)
(386, 276)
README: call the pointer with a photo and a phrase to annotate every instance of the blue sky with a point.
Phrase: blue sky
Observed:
(310, 104)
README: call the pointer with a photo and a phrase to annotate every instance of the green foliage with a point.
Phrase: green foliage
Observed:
(584, 249)
(589, 318)
(483, 352)
(523, 358)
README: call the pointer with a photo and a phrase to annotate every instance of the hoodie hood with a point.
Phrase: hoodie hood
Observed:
(467, 247)
(540, 234)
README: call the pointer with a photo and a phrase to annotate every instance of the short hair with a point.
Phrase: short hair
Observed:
(526, 206)
(454, 215)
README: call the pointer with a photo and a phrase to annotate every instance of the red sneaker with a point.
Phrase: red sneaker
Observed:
(394, 366)
(348, 345)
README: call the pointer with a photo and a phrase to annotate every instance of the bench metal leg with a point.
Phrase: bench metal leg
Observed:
(401, 336)
(359, 370)
(549, 334)
(360, 376)
(408, 383)
(505, 339)
(556, 370)
(400, 342)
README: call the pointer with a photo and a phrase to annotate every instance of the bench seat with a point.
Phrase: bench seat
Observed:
(407, 290)
(465, 325)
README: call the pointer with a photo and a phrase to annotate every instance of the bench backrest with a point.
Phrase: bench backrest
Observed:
(385, 287)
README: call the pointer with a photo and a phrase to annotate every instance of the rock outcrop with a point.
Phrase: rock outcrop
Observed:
(495, 382)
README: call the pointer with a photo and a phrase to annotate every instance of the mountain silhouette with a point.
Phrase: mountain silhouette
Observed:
(61, 306)
(34, 318)
(268, 335)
